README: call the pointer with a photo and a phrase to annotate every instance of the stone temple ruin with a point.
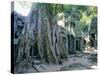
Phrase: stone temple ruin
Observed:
(72, 37)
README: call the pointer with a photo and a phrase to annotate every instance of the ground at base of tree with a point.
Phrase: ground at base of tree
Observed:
(79, 61)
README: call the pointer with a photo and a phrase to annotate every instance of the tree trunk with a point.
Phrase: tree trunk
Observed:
(40, 28)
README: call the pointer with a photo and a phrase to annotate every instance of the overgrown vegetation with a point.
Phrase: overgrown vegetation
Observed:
(53, 31)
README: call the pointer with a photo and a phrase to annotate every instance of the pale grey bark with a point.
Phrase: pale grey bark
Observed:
(41, 30)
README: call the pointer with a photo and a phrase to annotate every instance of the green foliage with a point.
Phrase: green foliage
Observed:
(93, 27)
(76, 12)
(54, 9)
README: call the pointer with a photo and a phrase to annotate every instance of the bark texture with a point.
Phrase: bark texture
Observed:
(41, 34)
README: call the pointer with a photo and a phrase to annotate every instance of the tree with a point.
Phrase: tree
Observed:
(41, 30)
